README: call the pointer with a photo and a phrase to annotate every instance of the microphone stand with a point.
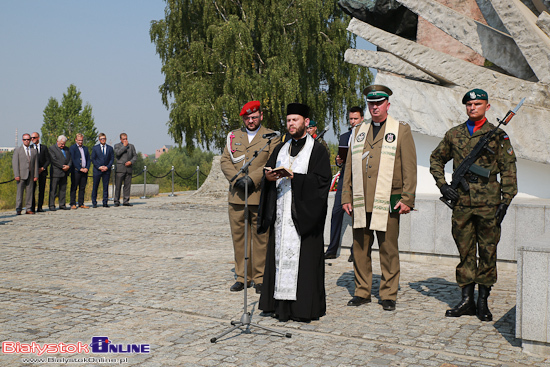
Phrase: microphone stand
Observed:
(246, 317)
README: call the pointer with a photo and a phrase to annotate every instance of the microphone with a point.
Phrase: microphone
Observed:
(271, 135)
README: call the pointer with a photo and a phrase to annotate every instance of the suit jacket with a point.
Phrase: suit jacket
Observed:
(124, 154)
(241, 146)
(43, 158)
(23, 166)
(76, 157)
(58, 161)
(99, 159)
(404, 169)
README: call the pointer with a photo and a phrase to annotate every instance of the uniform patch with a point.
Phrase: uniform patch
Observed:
(238, 144)
(390, 137)
(506, 137)
(403, 123)
(360, 137)
(510, 151)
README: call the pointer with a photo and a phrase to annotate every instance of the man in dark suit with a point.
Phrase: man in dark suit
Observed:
(79, 171)
(102, 158)
(126, 157)
(61, 163)
(25, 171)
(43, 163)
(356, 117)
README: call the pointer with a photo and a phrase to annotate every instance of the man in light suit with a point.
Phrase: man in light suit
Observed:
(79, 171)
(379, 186)
(60, 168)
(240, 147)
(103, 157)
(25, 171)
(43, 163)
(126, 157)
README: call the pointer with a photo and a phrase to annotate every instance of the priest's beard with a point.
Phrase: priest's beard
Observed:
(300, 132)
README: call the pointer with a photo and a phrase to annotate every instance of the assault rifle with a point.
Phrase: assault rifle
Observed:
(320, 136)
(467, 165)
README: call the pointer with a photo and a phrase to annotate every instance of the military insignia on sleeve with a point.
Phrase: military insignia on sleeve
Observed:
(510, 151)
(238, 144)
(506, 137)
(360, 137)
(403, 123)
(390, 137)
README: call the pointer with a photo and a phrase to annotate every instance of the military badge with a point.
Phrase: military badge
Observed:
(390, 137)
(472, 95)
(360, 137)
(510, 151)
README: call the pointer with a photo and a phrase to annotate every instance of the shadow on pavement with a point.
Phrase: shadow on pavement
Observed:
(347, 281)
(440, 289)
(506, 326)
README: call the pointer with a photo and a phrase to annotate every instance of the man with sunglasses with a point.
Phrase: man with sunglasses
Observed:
(102, 158)
(240, 148)
(25, 171)
(43, 163)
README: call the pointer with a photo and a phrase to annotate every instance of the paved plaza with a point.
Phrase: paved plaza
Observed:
(157, 275)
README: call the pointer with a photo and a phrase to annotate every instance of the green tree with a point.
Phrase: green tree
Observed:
(219, 54)
(68, 118)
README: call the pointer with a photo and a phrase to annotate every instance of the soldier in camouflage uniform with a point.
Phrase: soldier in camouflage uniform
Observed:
(479, 212)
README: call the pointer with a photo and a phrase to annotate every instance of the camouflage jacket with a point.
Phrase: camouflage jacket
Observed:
(456, 145)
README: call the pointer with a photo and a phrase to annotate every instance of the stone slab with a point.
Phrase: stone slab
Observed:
(139, 190)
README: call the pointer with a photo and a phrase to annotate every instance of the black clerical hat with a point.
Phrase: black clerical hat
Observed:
(297, 109)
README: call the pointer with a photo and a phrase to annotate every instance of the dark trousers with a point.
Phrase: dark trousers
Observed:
(126, 178)
(98, 177)
(55, 184)
(336, 224)
(41, 183)
(78, 181)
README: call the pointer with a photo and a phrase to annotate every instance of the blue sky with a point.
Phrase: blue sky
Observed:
(103, 47)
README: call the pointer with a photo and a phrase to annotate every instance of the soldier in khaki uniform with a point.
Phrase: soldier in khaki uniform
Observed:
(479, 212)
(240, 147)
(382, 164)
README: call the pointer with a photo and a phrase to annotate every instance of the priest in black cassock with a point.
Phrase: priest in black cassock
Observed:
(295, 208)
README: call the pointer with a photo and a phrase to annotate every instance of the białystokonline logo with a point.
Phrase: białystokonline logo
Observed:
(99, 344)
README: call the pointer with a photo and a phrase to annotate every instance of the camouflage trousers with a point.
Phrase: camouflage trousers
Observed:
(475, 228)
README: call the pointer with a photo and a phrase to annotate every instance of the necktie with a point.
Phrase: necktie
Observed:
(28, 153)
(64, 155)
(103, 149)
(38, 148)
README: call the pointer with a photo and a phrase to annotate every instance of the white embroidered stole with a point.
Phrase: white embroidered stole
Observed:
(287, 239)
(358, 199)
(381, 205)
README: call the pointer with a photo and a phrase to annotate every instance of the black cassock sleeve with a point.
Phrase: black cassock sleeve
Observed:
(268, 196)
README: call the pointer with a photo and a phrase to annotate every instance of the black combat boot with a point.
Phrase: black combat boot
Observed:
(483, 312)
(466, 306)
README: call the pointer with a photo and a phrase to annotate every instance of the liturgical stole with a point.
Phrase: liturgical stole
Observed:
(287, 239)
(382, 193)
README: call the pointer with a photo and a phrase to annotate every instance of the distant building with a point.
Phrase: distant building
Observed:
(144, 156)
(162, 150)
(6, 149)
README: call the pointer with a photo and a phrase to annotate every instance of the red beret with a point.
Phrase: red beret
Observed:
(250, 107)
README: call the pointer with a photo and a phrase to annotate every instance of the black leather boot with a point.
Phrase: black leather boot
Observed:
(466, 306)
(483, 312)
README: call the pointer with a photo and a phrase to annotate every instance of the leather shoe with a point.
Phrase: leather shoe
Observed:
(358, 301)
(350, 258)
(18, 212)
(117, 204)
(52, 209)
(258, 288)
(84, 207)
(40, 210)
(29, 212)
(388, 305)
(94, 205)
(106, 205)
(64, 208)
(73, 206)
(127, 204)
(237, 287)
(330, 256)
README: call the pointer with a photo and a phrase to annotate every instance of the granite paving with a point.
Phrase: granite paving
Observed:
(157, 275)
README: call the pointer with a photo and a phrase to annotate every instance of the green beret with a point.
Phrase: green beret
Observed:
(475, 94)
(376, 92)
(312, 123)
